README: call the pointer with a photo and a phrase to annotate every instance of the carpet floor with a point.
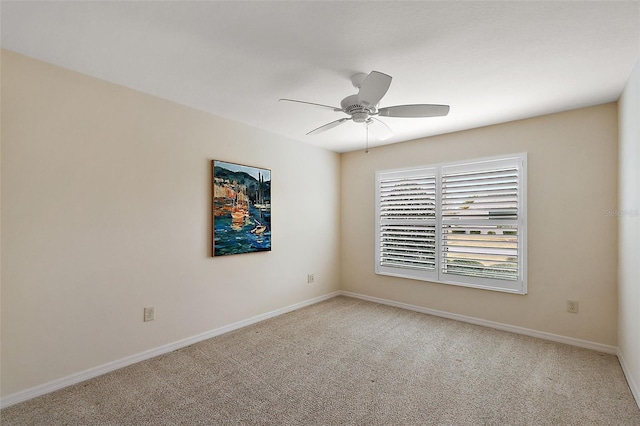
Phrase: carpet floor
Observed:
(350, 362)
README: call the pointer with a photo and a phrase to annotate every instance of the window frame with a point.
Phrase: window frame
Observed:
(519, 286)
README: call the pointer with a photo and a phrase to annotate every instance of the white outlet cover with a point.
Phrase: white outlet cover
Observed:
(149, 314)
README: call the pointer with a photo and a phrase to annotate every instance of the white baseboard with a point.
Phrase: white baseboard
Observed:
(120, 363)
(633, 385)
(114, 365)
(492, 324)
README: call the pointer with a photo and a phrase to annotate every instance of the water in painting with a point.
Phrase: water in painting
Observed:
(241, 209)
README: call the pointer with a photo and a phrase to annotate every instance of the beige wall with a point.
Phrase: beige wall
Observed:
(106, 200)
(629, 231)
(572, 183)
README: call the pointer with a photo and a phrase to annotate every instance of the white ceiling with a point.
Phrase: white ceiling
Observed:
(491, 61)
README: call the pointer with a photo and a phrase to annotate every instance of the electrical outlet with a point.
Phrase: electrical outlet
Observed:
(149, 314)
(572, 306)
(310, 278)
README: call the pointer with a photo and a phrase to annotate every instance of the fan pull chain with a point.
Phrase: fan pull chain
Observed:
(366, 151)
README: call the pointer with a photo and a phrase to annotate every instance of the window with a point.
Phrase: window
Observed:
(457, 223)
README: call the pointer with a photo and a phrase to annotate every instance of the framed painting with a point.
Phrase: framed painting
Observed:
(241, 208)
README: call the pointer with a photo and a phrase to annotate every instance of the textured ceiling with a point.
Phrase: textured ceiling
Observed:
(491, 61)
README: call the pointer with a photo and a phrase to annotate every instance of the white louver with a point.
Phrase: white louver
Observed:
(408, 246)
(480, 251)
(407, 225)
(480, 195)
(480, 221)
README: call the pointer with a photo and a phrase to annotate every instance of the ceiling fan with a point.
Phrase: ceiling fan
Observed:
(363, 106)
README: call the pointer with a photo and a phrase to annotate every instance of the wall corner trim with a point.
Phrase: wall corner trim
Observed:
(491, 324)
(635, 389)
(151, 353)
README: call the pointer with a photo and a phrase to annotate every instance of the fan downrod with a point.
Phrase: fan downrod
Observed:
(358, 79)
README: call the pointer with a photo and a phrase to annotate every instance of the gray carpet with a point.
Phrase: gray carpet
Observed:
(347, 361)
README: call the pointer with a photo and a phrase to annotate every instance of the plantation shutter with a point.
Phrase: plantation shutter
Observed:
(481, 222)
(461, 224)
(406, 222)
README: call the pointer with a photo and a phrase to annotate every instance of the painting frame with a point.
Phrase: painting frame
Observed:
(240, 208)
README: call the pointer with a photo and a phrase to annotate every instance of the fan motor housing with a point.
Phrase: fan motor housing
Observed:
(358, 113)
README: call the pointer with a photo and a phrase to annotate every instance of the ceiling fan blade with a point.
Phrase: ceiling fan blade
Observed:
(383, 132)
(312, 103)
(422, 110)
(328, 126)
(373, 88)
